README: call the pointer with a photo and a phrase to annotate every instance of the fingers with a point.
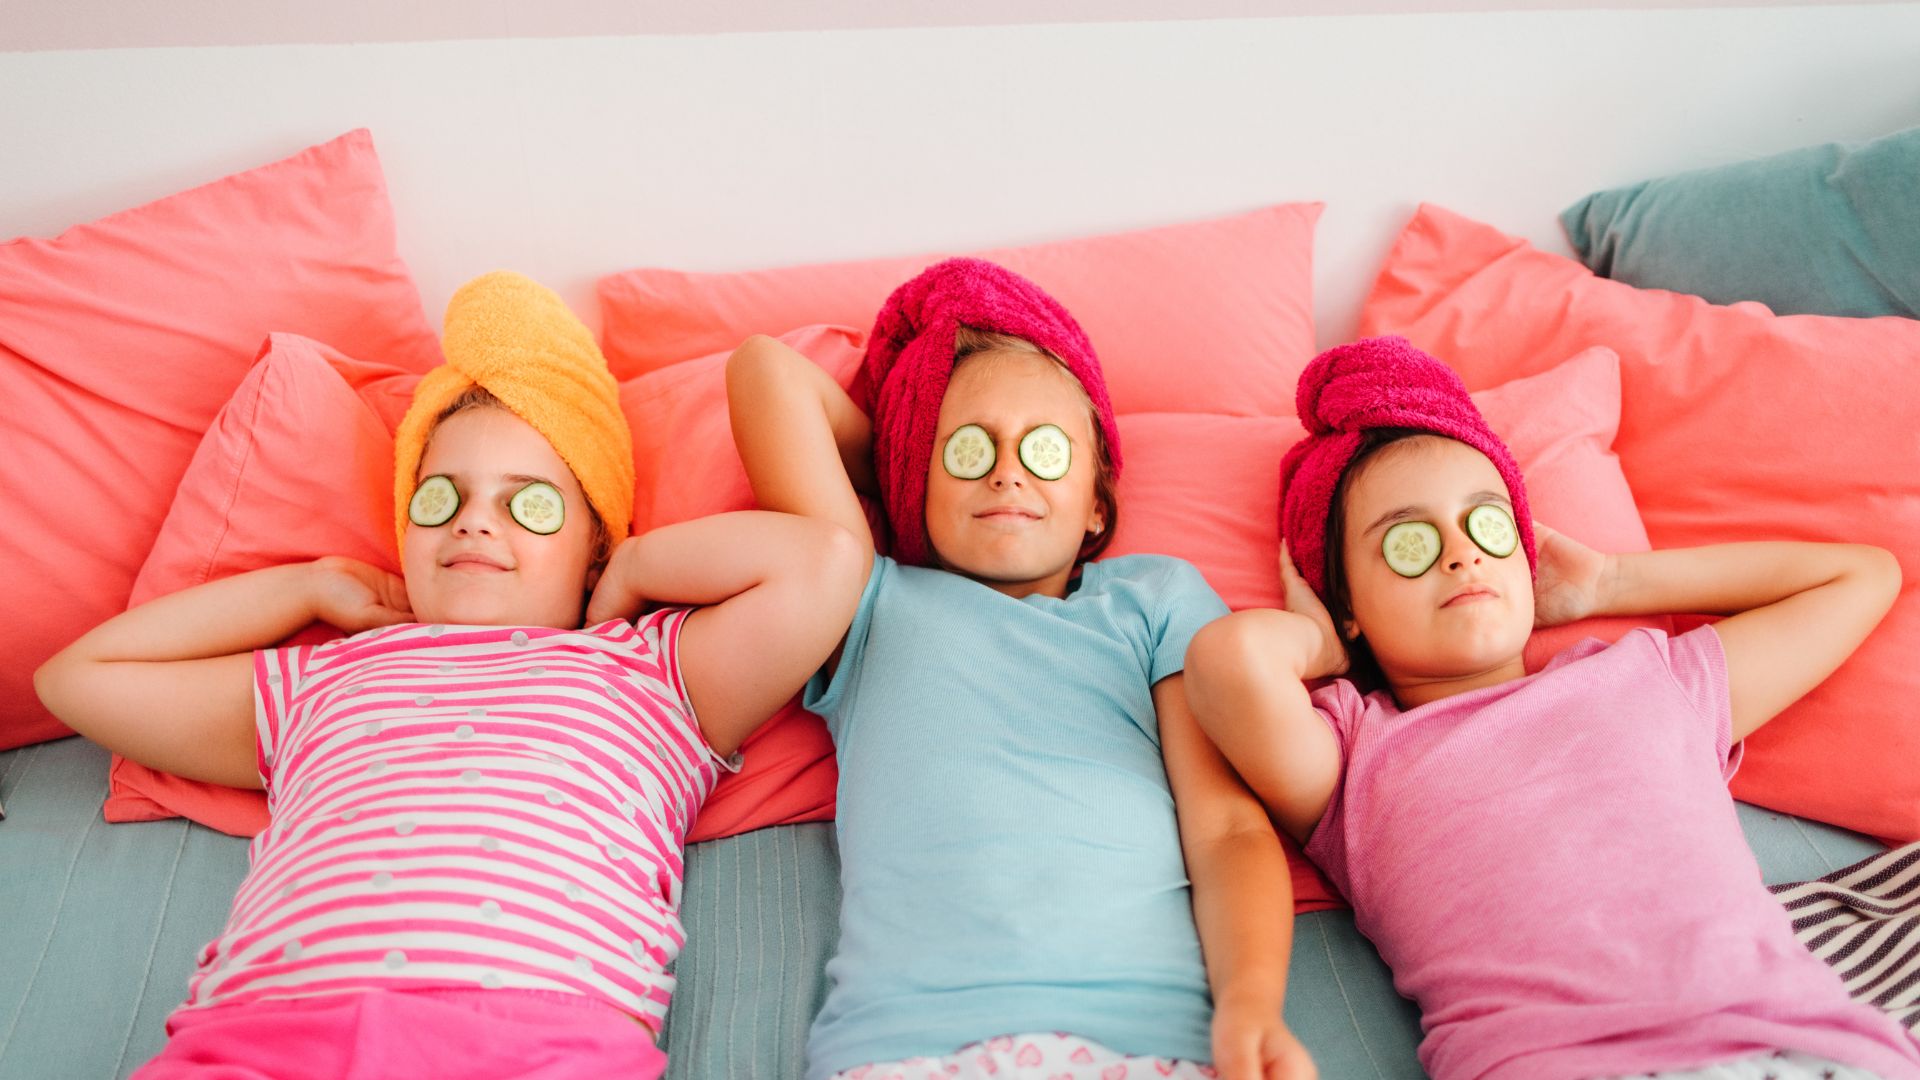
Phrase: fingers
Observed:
(396, 598)
(1289, 1060)
(1289, 573)
(609, 601)
(598, 609)
(1237, 1064)
(1236, 1055)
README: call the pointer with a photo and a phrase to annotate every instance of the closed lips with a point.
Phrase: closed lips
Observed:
(474, 561)
(1471, 592)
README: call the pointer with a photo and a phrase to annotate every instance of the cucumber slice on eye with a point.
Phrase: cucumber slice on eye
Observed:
(1491, 527)
(538, 508)
(969, 454)
(1411, 548)
(1046, 452)
(434, 502)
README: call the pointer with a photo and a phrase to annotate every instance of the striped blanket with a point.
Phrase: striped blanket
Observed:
(1865, 921)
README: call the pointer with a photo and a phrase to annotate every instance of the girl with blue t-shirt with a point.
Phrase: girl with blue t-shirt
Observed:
(1047, 869)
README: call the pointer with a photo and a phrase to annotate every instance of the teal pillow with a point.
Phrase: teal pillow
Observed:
(1826, 230)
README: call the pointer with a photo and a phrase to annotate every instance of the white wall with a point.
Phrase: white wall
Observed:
(570, 157)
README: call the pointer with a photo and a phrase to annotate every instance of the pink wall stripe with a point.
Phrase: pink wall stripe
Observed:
(107, 24)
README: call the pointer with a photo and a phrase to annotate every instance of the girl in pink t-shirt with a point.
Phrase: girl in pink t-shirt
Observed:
(479, 797)
(1550, 863)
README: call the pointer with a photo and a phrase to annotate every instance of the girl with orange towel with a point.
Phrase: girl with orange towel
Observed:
(478, 803)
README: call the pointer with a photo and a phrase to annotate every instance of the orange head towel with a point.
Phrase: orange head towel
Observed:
(517, 338)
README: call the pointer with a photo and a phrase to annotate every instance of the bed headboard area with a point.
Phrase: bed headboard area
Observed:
(571, 157)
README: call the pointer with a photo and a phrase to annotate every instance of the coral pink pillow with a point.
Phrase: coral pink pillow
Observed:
(120, 340)
(1205, 488)
(1213, 316)
(296, 466)
(1735, 424)
(685, 463)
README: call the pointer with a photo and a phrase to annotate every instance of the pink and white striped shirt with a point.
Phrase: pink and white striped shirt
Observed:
(460, 807)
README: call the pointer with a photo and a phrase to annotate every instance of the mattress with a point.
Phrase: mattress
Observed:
(99, 925)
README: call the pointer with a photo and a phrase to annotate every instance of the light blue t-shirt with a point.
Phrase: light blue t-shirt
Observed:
(1010, 857)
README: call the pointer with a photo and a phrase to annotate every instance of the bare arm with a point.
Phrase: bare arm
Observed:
(1795, 611)
(1246, 680)
(781, 589)
(170, 683)
(806, 446)
(1242, 897)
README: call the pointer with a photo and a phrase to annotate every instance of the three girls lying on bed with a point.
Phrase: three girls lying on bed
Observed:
(479, 797)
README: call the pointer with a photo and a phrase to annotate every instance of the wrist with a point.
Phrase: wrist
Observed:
(1610, 591)
(1318, 653)
(306, 583)
(1255, 996)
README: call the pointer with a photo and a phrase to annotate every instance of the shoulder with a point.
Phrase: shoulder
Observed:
(1342, 703)
(646, 633)
(1149, 571)
(1160, 585)
(1639, 645)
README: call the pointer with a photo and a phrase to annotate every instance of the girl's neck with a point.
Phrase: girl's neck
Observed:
(1055, 585)
(1412, 693)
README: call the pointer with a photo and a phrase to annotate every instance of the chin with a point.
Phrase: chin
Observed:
(1485, 656)
(474, 611)
(1019, 567)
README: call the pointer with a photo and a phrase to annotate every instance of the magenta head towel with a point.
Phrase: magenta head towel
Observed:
(910, 358)
(1375, 383)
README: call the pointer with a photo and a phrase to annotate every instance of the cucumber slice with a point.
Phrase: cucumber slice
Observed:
(969, 454)
(1491, 527)
(434, 502)
(538, 508)
(1411, 548)
(1046, 452)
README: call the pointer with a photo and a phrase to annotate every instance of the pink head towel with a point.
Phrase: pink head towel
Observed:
(910, 359)
(1375, 383)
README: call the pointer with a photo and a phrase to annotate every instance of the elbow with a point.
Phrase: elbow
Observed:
(841, 562)
(1882, 568)
(51, 681)
(752, 358)
(1222, 650)
(1239, 645)
(755, 371)
(1221, 659)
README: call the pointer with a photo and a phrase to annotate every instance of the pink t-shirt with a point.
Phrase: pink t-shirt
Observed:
(472, 808)
(1555, 873)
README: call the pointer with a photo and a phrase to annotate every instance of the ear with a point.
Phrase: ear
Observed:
(1351, 629)
(1096, 519)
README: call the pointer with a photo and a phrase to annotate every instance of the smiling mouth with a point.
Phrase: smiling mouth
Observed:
(472, 565)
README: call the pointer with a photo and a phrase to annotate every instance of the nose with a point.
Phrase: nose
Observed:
(476, 517)
(1460, 551)
(1007, 470)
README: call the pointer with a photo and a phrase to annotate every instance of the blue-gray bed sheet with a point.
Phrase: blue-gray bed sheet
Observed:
(99, 925)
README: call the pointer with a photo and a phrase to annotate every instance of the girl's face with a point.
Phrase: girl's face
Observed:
(481, 567)
(1010, 529)
(1465, 618)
